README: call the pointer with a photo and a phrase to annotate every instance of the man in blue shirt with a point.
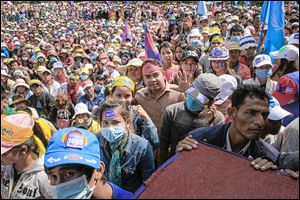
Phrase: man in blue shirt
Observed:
(89, 98)
(74, 167)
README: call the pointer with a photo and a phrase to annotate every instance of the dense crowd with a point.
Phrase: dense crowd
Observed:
(95, 96)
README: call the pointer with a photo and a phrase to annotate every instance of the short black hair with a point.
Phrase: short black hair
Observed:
(237, 28)
(244, 91)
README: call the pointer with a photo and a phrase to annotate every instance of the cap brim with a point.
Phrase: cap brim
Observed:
(275, 54)
(197, 59)
(194, 92)
(6, 146)
(278, 113)
(122, 69)
(59, 158)
(81, 113)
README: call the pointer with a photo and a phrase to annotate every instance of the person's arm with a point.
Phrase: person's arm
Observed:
(147, 166)
(149, 130)
(164, 137)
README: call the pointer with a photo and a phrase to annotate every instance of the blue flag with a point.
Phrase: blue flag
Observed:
(202, 10)
(275, 33)
(151, 50)
(265, 12)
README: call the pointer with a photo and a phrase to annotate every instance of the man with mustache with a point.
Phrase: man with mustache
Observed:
(249, 114)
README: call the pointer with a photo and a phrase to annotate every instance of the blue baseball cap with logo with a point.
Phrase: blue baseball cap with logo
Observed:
(73, 146)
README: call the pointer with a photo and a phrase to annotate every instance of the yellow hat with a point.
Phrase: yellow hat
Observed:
(217, 38)
(40, 68)
(80, 50)
(84, 70)
(35, 81)
(78, 55)
(125, 82)
(28, 46)
(214, 30)
(234, 17)
(206, 30)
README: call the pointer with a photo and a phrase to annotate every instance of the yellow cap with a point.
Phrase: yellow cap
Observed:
(125, 82)
(84, 70)
(205, 30)
(215, 30)
(217, 38)
(35, 81)
(234, 17)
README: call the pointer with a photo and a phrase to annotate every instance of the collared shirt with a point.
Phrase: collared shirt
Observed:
(269, 88)
(228, 145)
(90, 102)
(155, 107)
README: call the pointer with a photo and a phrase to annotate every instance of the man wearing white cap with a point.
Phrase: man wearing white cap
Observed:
(274, 127)
(223, 100)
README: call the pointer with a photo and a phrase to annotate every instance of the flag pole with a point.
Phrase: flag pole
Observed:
(260, 37)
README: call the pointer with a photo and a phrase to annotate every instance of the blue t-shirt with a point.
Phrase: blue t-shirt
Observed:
(119, 193)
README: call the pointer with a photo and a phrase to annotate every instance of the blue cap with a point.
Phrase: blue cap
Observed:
(73, 146)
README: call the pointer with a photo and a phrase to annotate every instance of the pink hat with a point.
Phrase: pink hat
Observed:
(15, 130)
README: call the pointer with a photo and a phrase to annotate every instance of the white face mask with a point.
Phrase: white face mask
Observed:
(74, 189)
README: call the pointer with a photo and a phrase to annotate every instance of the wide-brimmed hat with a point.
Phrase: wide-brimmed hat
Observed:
(20, 82)
(136, 62)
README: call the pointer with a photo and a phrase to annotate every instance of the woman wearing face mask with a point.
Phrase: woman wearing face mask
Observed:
(128, 156)
(73, 178)
(123, 90)
(262, 65)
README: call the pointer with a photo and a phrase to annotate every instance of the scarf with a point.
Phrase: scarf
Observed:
(72, 92)
(116, 150)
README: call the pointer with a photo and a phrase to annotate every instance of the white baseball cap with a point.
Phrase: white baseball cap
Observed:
(294, 39)
(289, 52)
(261, 60)
(228, 85)
(276, 112)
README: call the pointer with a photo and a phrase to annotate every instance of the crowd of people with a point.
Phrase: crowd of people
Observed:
(88, 112)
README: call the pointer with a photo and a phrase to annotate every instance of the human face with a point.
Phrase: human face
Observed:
(204, 23)
(236, 33)
(178, 53)
(62, 123)
(234, 56)
(273, 126)
(47, 76)
(250, 52)
(187, 22)
(215, 44)
(219, 67)
(134, 73)
(123, 94)
(14, 66)
(83, 116)
(224, 107)
(249, 119)
(114, 120)
(166, 54)
(89, 91)
(73, 82)
(10, 157)
(189, 66)
(154, 79)
(58, 71)
(36, 89)
(21, 89)
(61, 174)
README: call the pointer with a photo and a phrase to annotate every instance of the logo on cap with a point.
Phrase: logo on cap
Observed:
(75, 139)
(217, 53)
(284, 89)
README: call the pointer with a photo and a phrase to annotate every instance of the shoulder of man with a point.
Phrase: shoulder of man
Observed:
(207, 133)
